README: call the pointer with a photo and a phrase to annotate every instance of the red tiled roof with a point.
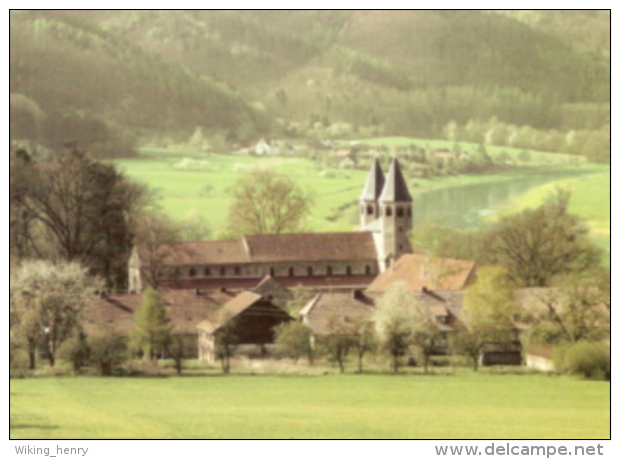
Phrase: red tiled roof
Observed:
(416, 271)
(311, 247)
(231, 283)
(185, 309)
(354, 246)
(209, 252)
(330, 311)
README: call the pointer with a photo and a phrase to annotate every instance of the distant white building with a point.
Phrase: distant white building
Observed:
(263, 148)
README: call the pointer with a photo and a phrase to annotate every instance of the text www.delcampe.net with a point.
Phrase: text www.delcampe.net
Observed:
(519, 450)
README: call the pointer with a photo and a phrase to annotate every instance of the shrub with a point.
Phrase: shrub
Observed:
(76, 351)
(108, 350)
(588, 359)
(296, 338)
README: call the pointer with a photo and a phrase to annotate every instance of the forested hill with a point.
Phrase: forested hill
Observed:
(246, 73)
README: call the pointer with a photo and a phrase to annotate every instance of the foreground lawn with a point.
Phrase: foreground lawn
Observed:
(464, 405)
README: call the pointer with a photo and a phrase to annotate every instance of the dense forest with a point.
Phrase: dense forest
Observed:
(111, 80)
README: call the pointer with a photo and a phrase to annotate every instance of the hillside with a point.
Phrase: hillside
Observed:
(244, 74)
(88, 84)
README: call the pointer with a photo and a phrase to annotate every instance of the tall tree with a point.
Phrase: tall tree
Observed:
(158, 239)
(48, 299)
(535, 246)
(489, 311)
(151, 330)
(266, 202)
(84, 212)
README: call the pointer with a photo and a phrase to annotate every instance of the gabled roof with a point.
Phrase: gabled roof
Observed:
(202, 252)
(230, 310)
(185, 309)
(311, 247)
(395, 189)
(417, 271)
(374, 182)
(333, 312)
(272, 248)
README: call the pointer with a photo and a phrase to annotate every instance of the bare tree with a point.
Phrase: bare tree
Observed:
(158, 239)
(266, 202)
(82, 209)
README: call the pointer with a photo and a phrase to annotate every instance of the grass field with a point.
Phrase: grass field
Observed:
(590, 200)
(203, 185)
(463, 405)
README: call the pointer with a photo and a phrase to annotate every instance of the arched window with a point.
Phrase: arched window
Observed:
(237, 271)
(291, 272)
(369, 210)
(349, 271)
(368, 270)
(330, 271)
(388, 211)
(400, 212)
(272, 272)
(192, 272)
(207, 272)
(223, 272)
(310, 271)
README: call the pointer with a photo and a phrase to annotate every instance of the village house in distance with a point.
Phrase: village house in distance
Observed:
(206, 283)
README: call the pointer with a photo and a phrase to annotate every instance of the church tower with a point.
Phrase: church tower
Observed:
(369, 201)
(396, 217)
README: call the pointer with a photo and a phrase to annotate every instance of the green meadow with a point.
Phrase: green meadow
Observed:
(460, 405)
(193, 183)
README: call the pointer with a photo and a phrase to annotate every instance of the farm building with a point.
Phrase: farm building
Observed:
(249, 317)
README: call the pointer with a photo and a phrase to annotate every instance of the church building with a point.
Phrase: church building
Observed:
(317, 260)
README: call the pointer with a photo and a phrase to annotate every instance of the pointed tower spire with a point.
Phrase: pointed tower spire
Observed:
(395, 189)
(369, 206)
(395, 216)
(374, 182)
